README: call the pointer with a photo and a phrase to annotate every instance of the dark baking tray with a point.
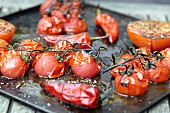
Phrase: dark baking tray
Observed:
(27, 90)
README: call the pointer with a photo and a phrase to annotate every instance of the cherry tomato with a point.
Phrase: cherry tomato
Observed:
(13, 66)
(115, 71)
(166, 60)
(149, 34)
(156, 73)
(64, 45)
(3, 50)
(72, 8)
(47, 65)
(84, 65)
(144, 50)
(132, 85)
(6, 30)
(31, 45)
(49, 25)
(74, 25)
(48, 4)
(3, 46)
(57, 13)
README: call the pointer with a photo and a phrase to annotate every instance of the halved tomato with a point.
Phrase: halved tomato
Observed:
(6, 30)
(151, 34)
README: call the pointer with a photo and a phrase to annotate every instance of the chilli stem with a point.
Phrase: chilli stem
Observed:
(100, 37)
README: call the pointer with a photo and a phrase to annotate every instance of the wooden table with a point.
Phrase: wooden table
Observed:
(142, 11)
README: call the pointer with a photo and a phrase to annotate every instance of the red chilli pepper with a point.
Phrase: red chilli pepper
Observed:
(81, 95)
(77, 38)
(108, 24)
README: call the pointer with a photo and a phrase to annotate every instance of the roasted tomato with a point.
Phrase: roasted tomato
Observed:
(109, 25)
(115, 71)
(131, 84)
(3, 46)
(57, 13)
(166, 58)
(13, 66)
(144, 50)
(84, 65)
(49, 25)
(149, 34)
(3, 49)
(135, 62)
(74, 25)
(155, 70)
(48, 4)
(31, 45)
(6, 30)
(47, 65)
(64, 45)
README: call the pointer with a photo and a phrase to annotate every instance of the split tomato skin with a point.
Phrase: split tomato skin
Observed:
(46, 65)
(74, 25)
(84, 65)
(64, 45)
(6, 30)
(136, 84)
(49, 25)
(166, 60)
(82, 95)
(156, 74)
(48, 4)
(13, 66)
(31, 45)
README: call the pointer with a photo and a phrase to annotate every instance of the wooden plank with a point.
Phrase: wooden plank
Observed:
(18, 108)
(4, 103)
(162, 107)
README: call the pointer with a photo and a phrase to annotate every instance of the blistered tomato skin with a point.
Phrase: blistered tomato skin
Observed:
(30, 45)
(49, 26)
(79, 94)
(133, 85)
(46, 65)
(4, 44)
(13, 66)
(64, 45)
(6, 30)
(84, 65)
(109, 25)
(74, 26)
